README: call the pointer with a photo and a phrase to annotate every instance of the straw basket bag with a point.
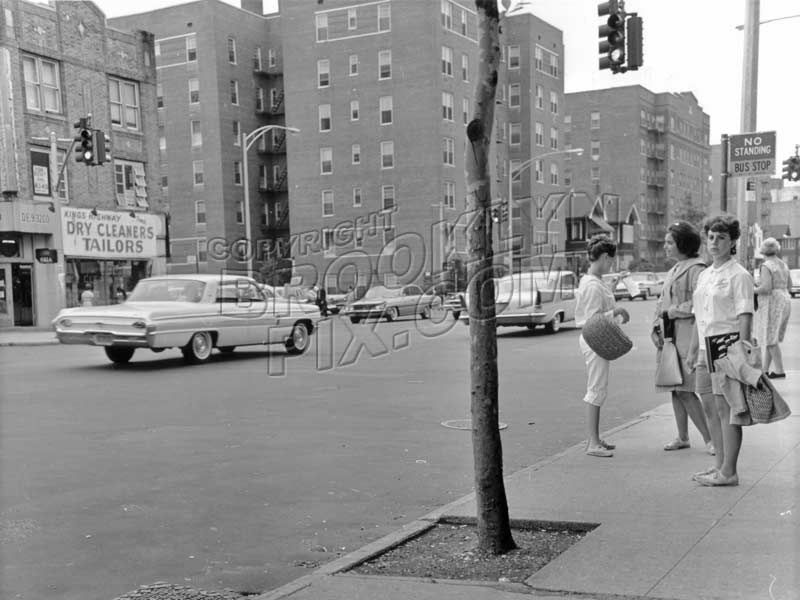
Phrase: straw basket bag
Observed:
(605, 337)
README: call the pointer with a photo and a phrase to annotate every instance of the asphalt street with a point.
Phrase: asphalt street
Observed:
(247, 472)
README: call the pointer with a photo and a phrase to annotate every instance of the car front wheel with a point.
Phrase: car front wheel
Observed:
(355, 319)
(198, 350)
(554, 324)
(392, 314)
(119, 355)
(299, 340)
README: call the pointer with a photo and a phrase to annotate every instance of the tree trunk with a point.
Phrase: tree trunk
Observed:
(494, 529)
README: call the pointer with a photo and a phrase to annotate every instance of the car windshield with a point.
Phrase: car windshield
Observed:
(382, 292)
(525, 283)
(639, 276)
(167, 290)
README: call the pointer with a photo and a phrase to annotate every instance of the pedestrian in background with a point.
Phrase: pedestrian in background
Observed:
(87, 296)
(722, 304)
(594, 296)
(322, 300)
(674, 308)
(774, 307)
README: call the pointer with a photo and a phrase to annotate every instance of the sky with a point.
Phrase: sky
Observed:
(691, 46)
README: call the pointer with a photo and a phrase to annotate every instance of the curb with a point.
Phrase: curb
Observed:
(419, 526)
(43, 343)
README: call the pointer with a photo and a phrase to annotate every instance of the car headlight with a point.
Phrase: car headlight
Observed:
(65, 322)
(139, 325)
(381, 306)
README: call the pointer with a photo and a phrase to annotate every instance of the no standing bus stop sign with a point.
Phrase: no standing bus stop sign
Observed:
(752, 154)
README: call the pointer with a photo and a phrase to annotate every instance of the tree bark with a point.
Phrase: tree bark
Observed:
(494, 529)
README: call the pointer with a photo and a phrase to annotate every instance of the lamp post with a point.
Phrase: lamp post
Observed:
(518, 171)
(247, 141)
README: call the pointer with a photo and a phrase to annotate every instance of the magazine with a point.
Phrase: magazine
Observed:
(717, 347)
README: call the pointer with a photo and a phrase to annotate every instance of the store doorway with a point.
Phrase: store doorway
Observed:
(22, 293)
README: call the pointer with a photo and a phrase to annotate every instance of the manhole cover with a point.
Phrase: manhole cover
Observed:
(465, 424)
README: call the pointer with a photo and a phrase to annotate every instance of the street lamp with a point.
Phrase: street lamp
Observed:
(516, 172)
(247, 141)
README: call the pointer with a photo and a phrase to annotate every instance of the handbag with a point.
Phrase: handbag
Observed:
(668, 370)
(764, 402)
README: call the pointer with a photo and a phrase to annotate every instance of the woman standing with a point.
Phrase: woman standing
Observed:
(594, 296)
(682, 243)
(774, 307)
(722, 304)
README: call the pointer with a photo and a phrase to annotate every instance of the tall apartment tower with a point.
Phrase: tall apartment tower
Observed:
(651, 149)
(67, 226)
(219, 83)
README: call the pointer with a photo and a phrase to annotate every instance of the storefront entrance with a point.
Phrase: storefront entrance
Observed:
(16, 294)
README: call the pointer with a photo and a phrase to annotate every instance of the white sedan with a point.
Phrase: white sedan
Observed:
(195, 313)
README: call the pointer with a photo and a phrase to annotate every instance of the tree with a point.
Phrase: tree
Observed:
(494, 528)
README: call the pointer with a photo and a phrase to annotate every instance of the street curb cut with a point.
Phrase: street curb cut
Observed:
(420, 525)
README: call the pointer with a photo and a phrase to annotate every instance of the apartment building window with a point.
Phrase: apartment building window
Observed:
(355, 152)
(327, 203)
(539, 171)
(231, 50)
(237, 133)
(516, 176)
(539, 96)
(567, 178)
(196, 133)
(567, 122)
(447, 14)
(595, 145)
(515, 134)
(197, 172)
(463, 22)
(387, 155)
(162, 141)
(384, 17)
(237, 172)
(322, 27)
(449, 194)
(326, 161)
(595, 174)
(357, 197)
(352, 18)
(323, 73)
(234, 92)
(539, 134)
(553, 138)
(465, 67)
(262, 176)
(324, 117)
(387, 197)
(553, 174)
(554, 103)
(123, 99)
(386, 109)
(42, 84)
(259, 99)
(553, 65)
(388, 239)
(385, 64)
(257, 62)
(447, 106)
(448, 151)
(594, 120)
(277, 173)
(465, 109)
(130, 184)
(353, 65)
(191, 48)
(200, 211)
(514, 95)
(194, 90)
(513, 57)
(537, 59)
(274, 101)
(159, 95)
(240, 212)
(447, 61)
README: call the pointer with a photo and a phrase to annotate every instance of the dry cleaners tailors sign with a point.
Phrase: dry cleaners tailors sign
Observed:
(752, 154)
(109, 234)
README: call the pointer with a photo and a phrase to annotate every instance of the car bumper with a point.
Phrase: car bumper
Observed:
(104, 338)
(515, 320)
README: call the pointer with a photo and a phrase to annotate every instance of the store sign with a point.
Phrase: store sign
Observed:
(46, 256)
(27, 218)
(109, 234)
(752, 154)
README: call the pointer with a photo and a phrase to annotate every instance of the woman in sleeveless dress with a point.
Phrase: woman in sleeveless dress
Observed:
(774, 307)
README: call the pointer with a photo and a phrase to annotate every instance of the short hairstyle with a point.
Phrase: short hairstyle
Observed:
(770, 247)
(724, 224)
(600, 244)
(686, 237)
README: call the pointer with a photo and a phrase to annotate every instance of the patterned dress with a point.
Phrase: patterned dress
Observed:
(774, 307)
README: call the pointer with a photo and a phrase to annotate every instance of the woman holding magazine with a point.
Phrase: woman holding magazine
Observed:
(722, 305)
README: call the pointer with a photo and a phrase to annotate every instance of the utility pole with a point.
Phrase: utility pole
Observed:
(748, 115)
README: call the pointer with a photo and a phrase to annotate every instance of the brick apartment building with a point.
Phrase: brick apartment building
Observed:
(219, 79)
(102, 226)
(649, 149)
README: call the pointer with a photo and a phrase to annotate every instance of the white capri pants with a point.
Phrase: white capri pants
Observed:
(597, 369)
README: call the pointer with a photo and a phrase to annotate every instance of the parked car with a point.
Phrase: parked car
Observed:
(455, 303)
(795, 287)
(336, 303)
(534, 298)
(617, 284)
(392, 303)
(647, 283)
(195, 313)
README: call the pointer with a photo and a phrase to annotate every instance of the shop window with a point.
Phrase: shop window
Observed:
(130, 184)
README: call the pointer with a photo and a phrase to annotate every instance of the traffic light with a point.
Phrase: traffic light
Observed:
(634, 43)
(612, 36)
(102, 144)
(791, 168)
(85, 152)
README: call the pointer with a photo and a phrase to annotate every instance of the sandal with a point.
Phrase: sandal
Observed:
(607, 446)
(677, 444)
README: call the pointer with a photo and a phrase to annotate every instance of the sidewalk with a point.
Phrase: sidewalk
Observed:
(27, 336)
(661, 535)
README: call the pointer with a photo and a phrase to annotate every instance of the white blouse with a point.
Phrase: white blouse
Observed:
(722, 294)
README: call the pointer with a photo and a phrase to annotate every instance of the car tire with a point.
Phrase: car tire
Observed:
(299, 340)
(456, 314)
(554, 324)
(392, 314)
(198, 350)
(227, 349)
(426, 312)
(355, 319)
(119, 356)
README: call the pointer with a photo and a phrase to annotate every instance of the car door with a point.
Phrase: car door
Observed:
(412, 294)
(567, 286)
(242, 318)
